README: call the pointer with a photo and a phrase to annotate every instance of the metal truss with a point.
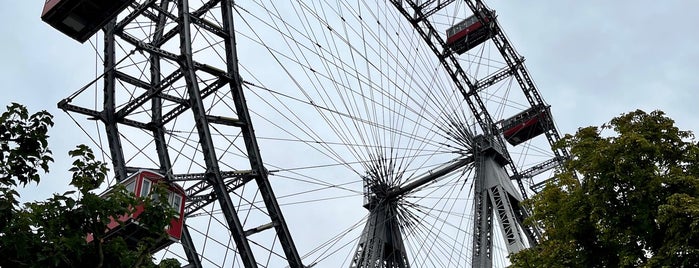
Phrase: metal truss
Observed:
(494, 192)
(381, 243)
(177, 86)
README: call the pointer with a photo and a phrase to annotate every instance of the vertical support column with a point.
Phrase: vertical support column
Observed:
(483, 220)
(508, 223)
(109, 113)
(213, 173)
(156, 102)
(381, 243)
(248, 133)
(532, 233)
(496, 194)
(159, 133)
(189, 249)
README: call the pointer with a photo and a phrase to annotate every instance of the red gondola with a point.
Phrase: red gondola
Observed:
(469, 33)
(81, 19)
(141, 184)
(526, 125)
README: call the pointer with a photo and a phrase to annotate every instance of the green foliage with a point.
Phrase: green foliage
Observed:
(23, 153)
(23, 145)
(636, 204)
(53, 232)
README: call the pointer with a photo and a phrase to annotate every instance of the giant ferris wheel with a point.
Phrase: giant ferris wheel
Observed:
(386, 133)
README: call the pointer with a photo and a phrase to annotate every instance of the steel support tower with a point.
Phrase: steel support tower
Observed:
(495, 197)
(381, 242)
(495, 194)
(161, 72)
(171, 75)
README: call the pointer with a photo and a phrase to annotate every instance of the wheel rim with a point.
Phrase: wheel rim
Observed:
(338, 93)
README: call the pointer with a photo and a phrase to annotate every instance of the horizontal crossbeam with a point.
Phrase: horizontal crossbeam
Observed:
(429, 177)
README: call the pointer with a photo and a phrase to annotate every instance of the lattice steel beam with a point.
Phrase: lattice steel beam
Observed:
(150, 93)
(522, 76)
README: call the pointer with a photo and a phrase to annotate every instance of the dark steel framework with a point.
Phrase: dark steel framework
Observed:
(494, 192)
(168, 47)
(178, 85)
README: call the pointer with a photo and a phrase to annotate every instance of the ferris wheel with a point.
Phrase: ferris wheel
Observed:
(386, 133)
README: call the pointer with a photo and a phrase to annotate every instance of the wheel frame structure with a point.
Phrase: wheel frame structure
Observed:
(198, 80)
(214, 184)
(418, 14)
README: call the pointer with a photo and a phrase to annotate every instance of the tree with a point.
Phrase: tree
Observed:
(636, 203)
(52, 233)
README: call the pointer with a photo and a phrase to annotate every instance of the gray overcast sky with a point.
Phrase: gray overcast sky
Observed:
(591, 60)
(39, 68)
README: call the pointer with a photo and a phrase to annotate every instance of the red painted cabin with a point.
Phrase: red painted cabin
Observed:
(141, 184)
(81, 19)
(526, 125)
(469, 33)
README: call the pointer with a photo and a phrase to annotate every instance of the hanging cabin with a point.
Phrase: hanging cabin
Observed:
(141, 184)
(526, 125)
(81, 19)
(469, 33)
